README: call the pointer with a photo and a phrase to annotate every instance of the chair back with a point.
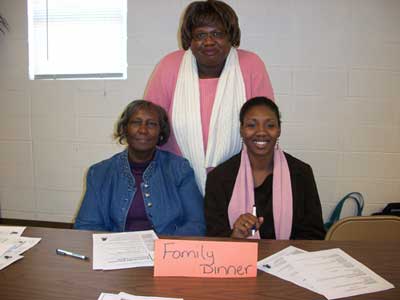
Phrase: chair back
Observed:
(367, 228)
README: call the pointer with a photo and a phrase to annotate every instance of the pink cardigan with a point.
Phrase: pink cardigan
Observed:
(161, 88)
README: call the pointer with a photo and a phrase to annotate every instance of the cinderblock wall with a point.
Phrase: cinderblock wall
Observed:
(334, 66)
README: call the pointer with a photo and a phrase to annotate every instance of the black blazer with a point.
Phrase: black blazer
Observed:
(307, 220)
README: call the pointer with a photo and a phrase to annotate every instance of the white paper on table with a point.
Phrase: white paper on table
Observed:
(5, 244)
(125, 296)
(8, 259)
(108, 296)
(278, 265)
(274, 264)
(12, 246)
(21, 244)
(12, 230)
(336, 274)
(123, 250)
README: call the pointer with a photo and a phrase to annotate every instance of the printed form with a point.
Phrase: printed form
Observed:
(332, 273)
(125, 296)
(123, 250)
(12, 244)
(336, 274)
(278, 265)
(12, 230)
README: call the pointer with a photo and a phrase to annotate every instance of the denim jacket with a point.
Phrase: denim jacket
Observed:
(172, 199)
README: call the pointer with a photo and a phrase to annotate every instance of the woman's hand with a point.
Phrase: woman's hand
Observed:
(244, 224)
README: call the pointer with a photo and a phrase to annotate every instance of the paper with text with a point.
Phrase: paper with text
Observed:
(5, 244)
(278, 265)
(8, 259)
(205, 258)
(12, 246)
(123, 250)
(125, 296)
(335, 274)
(108, 296)
(12, 230)
(19, 244)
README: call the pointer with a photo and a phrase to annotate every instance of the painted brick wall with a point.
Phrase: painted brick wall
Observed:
(334, 65)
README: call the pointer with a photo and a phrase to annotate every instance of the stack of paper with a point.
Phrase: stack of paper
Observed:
(12, 244)
(125, 296)
(332, 273)
(123, 250)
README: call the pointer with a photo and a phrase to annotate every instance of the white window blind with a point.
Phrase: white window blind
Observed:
(77, 39)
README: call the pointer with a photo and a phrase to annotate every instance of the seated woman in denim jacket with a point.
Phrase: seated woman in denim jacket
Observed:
(142, 187)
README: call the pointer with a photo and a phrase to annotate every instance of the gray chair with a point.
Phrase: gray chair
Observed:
(368, 228)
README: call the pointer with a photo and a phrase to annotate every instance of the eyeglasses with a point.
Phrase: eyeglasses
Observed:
(215, 35)
(148, 123)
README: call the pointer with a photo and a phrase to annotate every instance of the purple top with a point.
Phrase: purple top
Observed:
(137, 217)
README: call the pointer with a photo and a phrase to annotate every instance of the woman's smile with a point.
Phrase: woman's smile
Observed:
(260, 130)
(143, 132)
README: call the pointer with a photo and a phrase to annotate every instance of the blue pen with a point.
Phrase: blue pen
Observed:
(72, 254)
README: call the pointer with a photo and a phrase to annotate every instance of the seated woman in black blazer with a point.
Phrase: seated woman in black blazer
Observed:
(262, 191)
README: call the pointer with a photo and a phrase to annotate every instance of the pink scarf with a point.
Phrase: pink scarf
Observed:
(242, 200)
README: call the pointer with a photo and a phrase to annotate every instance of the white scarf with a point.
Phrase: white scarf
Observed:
(224, 138)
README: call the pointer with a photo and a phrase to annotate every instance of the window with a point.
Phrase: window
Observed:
(77, 39)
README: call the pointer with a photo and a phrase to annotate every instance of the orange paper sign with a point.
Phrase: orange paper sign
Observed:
(205, 258)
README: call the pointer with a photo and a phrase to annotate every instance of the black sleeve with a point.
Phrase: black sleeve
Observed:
(311, 226)
(216, 207)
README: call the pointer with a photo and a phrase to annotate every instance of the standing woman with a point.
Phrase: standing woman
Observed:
(203, 86)
(263, 190)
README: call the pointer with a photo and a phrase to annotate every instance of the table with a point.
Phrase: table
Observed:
(43, 275)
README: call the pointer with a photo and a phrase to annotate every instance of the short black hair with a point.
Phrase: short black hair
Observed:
(259, 101)
(211, 12)
(136, 105)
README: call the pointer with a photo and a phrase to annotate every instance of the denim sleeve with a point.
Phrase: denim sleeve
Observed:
(192, 203)
(90, 216)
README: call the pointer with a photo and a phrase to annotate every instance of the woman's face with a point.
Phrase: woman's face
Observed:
(210, 45)
(260, 130)
(143, 131)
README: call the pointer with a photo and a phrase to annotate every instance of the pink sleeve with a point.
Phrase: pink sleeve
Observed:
(261, 84)
(161, 85)
(255, 75)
